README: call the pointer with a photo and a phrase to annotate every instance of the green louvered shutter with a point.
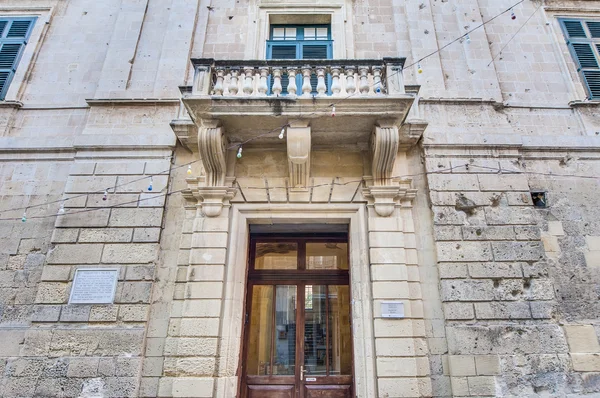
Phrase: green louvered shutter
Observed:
(14, 33)
(583, 39)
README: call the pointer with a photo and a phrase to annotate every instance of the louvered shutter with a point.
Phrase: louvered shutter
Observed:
(315, 51)
(284, 51)
(583, 41)
(13, 38)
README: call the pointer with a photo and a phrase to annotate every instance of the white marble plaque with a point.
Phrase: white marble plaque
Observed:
(94, 286)
(392, 309)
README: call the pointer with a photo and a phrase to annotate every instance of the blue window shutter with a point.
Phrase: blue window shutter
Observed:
(14, 33)
(583, 39)
(592, 80)
(574, 29)
(594, 28)
(584, 55)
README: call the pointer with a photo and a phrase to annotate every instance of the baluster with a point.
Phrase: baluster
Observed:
(218, 88)
(321, 87)
(248, 80)
(306, 87)
(262, 86)
(364, 79)
(233, 83)
(377, 80)
(291, 88)
(276, 89)
(335, 80)
(350, 85)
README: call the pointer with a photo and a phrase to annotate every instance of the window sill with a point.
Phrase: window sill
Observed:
(578, 103)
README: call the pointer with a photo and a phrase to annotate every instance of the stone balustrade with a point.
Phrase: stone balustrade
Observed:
(298, 78)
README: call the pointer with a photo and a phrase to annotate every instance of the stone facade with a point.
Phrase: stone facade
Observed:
(501, 297)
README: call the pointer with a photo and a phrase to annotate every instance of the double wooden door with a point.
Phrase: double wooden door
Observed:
(298, 340)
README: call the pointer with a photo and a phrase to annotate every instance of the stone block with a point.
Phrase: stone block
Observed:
(12, 341)
(121, 199)
(204, 290)
(460, 386)
(555, 228)
(188, 387)
(36, 343)
(133, 313)
(119, 168)
(396, 367)
(190, 366)
(462, 365)
(75, 313)
(467, 290)
(202, 308)
(488, 233)
(96, 342)
(509, 215)
(52, 293)
(386, 239)
(503, 182)
(459, 311)
(205, 273)
(453, 182)
(152, 367)
(103, 313)
(447, 233)
(158, 167)
(517, 251)
(64, 235)
(136, 217)
(386, 327)
(146, 234)
(388, 256)
(495, 270)
(139, 273)
(86, 168)
(502, 310)
(45, 313)
(452, 271)
(155, 347)
(107, 367)
(463, 251)
(209, 240)
(398, 387)
(391, 290)
(121, 386)
(152, 199)
(83, 367)
(385, 224)
(131, 184)
(89, 184)
(211, 224)
(75, 254)
(134, 292)
(105, 235)
(482, 386)
(56, 273)
(527, 232)
(136, 253)
(385, 272)
(205, 327)
(487, 365)
(127, 367)
(189, 346)
(207, 256)
(592, 259)
(542, 309)
(582, 339)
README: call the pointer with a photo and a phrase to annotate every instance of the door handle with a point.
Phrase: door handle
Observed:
(302, 372)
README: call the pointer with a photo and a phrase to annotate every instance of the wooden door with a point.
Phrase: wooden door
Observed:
(297, 340)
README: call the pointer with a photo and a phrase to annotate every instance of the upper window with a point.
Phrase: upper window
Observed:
(14, 33)
(300, 42)
(583, 39)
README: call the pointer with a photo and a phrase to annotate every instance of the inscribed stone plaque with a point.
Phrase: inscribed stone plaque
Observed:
(94, 286)
(392, 309)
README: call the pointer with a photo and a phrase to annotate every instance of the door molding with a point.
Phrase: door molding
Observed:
(241, 216)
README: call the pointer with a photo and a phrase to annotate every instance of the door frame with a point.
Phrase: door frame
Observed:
(301, 277)
(239, 219)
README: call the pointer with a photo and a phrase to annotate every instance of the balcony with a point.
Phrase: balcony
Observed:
(247, 97)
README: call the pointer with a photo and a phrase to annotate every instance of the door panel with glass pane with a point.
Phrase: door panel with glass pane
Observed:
(298, 340)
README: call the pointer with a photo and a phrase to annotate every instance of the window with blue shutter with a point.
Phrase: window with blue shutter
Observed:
(583, 39)
(300, 42)
(14, 33)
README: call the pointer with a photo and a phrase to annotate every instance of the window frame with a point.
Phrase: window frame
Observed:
(593, 42)
(300, 42)
(22, 41)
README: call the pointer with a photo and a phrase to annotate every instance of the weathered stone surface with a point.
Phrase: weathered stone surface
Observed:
(75, 254)
(129, 253)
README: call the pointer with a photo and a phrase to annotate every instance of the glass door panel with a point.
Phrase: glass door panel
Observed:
(315, 330)
(340, 337)
(261, 326)
(285, 331)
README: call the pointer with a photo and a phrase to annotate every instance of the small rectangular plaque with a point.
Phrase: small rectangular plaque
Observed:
(311, 379)
(392, 309)
(94, 286)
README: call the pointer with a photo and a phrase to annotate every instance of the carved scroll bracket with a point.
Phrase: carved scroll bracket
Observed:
(214, 190)
(386, 191)
(298, 153)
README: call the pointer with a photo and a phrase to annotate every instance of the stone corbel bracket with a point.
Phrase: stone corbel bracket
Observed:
(214, 190)
(298, 153)
(386, 190)
(411, 132)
